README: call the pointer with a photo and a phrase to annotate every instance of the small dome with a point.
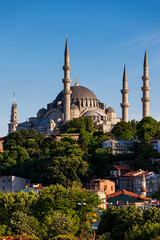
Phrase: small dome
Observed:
(74, 107)
(110, 110)
(42, 111)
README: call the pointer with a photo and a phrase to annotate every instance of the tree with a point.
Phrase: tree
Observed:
(20, 224)
(109, 219)
(130, 215)
(118, 221)
(64, 170)
(56, 198)
(152, 214)
(105, 236)
(102, 162)
(144, 152)
(147, 231)
(147, 129)
(64, 237)
(123, 131)
(77, 125)
(61, 225)
(85, 139)
(13, 202)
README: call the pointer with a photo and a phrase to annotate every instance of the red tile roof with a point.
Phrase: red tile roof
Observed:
(135, 173)
(122, 167)
(39, 188)
(127, 193)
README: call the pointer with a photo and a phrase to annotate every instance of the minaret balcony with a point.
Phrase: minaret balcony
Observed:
(145, 78)
(67, 68)
(145, 88)
(125, 105)
(145, 99)
(66, 80)
(126, 91)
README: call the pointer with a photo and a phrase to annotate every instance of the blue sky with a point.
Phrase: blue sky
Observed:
(102, 34)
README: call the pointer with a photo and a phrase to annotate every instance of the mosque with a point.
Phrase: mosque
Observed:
(79, 101)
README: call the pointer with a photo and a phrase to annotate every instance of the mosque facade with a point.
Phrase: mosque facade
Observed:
(79, 101)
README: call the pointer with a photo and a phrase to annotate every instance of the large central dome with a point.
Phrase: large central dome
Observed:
(78, 92)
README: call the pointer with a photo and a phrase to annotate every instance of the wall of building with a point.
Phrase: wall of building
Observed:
(123, 198)
(102, 185)
(1, 145)
(12, 183)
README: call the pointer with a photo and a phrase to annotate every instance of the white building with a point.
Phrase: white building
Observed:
(118, 146)
(13, 183)
(156, 143)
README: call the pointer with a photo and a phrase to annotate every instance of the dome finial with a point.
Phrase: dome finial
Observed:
(76, 84)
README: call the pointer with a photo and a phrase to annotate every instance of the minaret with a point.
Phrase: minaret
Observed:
(145, 89)
(12, 126)
(143, 186)
(125, 91)
(66, 80)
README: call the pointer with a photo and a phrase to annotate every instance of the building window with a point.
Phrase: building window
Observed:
(3, 187)
(111, 188)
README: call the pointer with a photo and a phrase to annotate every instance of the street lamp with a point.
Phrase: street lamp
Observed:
(81, 204)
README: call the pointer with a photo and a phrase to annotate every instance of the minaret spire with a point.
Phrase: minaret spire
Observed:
(66, 81)
(145, 89)
(125, 91)
(12, 126)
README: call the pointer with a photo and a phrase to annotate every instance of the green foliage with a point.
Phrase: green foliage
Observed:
(45, 160)
(61, 225)
(109, 219)
(123, 131)
(147, 129)
(77, 125)
(64, 170)
(63, 237)
(42, 159)
(20, 224)
(85, 139)
(21, 138)
(147, 231)
(52, 214)
(152, 214)
(102, 162)
(129, 216)
(117, 221)
(129, 223)
(105, 236)
(142, 156)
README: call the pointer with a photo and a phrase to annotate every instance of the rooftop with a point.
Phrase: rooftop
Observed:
(127, 193)
(121, 167)
(136, 173)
